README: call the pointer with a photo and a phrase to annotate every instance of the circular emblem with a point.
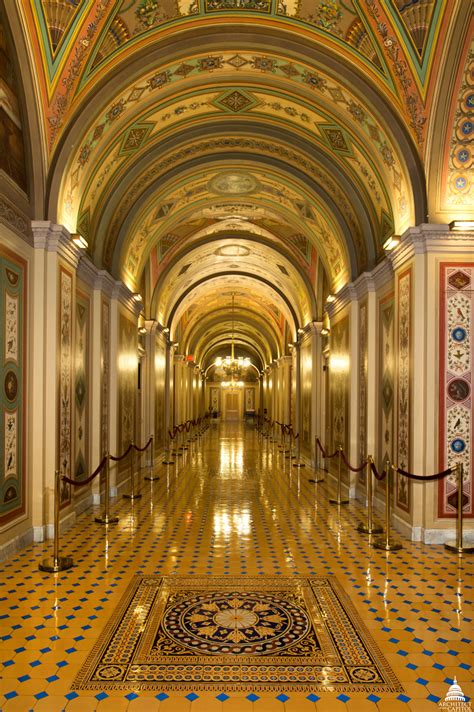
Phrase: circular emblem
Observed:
(236, 624)
(458, 389)
(458, 334)
(237, 183)
(458, 445)
(110, 672)
(363, 674)
(11, 385)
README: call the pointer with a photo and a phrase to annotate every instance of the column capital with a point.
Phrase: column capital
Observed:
(55, 238)
(151, 326)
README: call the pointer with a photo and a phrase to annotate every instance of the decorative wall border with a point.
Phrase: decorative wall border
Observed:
(456, 376)
(13, 373)
(65, 376)
(404, 387)
(363, 371)
(339, 386)
(81, 385)
(104, 375)
(386, 347)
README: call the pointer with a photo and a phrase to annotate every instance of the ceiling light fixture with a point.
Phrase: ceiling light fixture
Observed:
(325, 331)
(142, 330)
(232, 366)
(330, 298)
(137, 297)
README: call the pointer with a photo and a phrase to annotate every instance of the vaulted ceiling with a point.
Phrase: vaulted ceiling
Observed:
(262, 148)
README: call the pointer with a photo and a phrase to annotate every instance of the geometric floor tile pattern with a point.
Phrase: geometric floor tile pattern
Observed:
(233, 508)
(240, 633)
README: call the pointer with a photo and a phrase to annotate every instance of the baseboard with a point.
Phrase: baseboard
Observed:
(11, 547)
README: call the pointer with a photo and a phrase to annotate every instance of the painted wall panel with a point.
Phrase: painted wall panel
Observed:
(65, 380)
(456, 376)
(127, 386)
(339, 362)
(404, 389)
(13, 349)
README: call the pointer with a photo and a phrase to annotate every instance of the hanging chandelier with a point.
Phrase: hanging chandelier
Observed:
(231, 365)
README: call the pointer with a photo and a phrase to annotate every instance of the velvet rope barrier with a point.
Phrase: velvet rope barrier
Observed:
(424, 478)
(349, 466)
(121, 457)
(79, 483)
(379, 476)
(145, 447)
(324, 453)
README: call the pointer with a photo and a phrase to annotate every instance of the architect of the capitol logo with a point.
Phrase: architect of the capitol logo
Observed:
(455, 700)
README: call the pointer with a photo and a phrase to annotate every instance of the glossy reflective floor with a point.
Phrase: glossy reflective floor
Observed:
(232, 507)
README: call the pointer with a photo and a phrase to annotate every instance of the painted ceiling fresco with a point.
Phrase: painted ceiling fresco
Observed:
(205, 148)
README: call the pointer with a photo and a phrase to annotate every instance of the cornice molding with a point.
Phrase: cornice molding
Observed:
(124, 296)
(105, 283)
(15, 219)
(431, 239)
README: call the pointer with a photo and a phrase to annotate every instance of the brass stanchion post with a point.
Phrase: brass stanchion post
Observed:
(106, 518)
(387, 544)
(298, 463)
(458, 545)
(369, 528)
(56, 563)
(151, 477)
(339, 500)
(133, 495)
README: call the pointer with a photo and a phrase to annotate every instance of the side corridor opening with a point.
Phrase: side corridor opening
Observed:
(236, 353)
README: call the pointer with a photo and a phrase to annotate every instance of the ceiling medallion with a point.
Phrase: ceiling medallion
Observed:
(235, 183)
(232, 251)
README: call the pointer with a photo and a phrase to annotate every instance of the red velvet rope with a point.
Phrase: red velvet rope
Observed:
(142, 449)
(427, 478)
(121, 457)
(79, 483)
(325, 455)
(349, 466)
(379, 476)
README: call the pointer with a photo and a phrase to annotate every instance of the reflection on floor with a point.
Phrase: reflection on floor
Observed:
(232, 510)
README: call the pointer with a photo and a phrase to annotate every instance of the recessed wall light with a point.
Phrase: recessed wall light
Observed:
(459, 225)
(391, 242)
(79, 241)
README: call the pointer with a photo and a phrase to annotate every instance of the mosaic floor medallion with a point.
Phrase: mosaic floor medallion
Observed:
(237, 633)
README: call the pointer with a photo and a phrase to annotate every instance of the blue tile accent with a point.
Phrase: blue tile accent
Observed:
(282, 697)
(312, 697)
(11, 695)
(222, 697)
(101, 696)
(433, 698)
(71, 696)
(192, 696)
(252, 697)
(24, 678)
(161, 696)
(131, 696)
(343, 698)
(41, 695)
(403, 698)
(373, 698)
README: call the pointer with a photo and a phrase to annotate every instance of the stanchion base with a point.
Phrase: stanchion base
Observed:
(315, 482)
(382, 544)
(131, 496)
(299, 464)
(106, 520)
(452, 546)
(363, 529)
(52, 566)
(168, 462)
(339, 501)
(151, 478)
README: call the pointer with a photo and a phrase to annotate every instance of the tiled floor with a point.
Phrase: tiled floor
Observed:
(229, 509)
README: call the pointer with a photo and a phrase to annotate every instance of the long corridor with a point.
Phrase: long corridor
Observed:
(233, 507)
